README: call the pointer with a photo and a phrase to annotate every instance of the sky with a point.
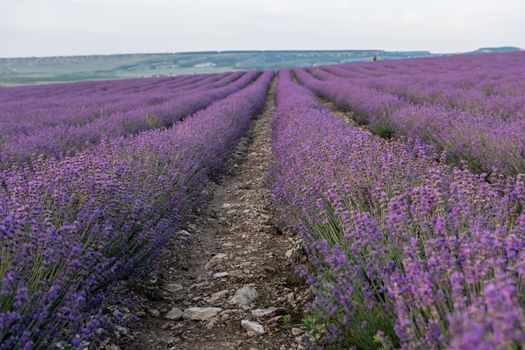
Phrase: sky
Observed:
(81, 27)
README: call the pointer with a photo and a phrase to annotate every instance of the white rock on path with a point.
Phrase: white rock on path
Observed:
(211, 323)
(173, 287)
(217, 297)
(244, 296)
(154, 312)
(264, 312)
(296, 331)
(221, 274)
(175, 314)
(219, 256)
(253, 327)
(185, 233)
(200, 313)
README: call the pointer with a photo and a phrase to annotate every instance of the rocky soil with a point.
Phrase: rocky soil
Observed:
(225, 282)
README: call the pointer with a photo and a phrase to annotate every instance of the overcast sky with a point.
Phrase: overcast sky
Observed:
(75, 27)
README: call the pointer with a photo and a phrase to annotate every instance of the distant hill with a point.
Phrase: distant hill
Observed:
(31, 70)
(496, 49)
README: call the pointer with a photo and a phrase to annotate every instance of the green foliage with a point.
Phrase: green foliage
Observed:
(287, 321)
(314, 327)
(153, 121)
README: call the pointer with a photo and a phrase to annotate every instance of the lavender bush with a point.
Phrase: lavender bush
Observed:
(415, 240)
(471, 107)
(403, 249)
(73, 229)
(22, 113)
(65, 139)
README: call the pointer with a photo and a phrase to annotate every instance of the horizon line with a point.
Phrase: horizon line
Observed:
(255, 51)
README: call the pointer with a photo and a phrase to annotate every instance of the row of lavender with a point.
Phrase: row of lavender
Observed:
(473, 108)
(21, 114)
(403, 249)
(486, 84)
(476, 84)
(73, 229)
(129, 114)
(19, 93)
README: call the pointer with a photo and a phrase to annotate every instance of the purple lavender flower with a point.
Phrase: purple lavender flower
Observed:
(427, 254)
(72, 229)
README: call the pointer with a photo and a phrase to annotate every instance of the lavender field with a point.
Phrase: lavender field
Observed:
(401, 184)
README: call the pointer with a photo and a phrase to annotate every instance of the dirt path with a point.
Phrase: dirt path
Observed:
(235, 269)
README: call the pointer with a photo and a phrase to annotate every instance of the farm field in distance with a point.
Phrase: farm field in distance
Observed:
(286, 201)
(31, 70)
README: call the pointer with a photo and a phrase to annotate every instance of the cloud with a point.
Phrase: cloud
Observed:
(67, 27)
